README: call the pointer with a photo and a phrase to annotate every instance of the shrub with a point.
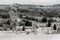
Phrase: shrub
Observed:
(44, 19)
(20, 15)
(8, 22)
(52, 20)
(5, 16)
(27, 23)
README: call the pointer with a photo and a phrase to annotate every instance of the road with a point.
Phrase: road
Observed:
(9, 35)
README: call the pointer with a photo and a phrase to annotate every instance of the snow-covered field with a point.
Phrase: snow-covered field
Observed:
(10, 35)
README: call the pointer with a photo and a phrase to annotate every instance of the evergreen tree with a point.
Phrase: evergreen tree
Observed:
(49, 23)
(23, 28)
(54, 27)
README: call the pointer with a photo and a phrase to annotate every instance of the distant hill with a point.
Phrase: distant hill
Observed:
(4, 6)
(34, 10)
(56, 5)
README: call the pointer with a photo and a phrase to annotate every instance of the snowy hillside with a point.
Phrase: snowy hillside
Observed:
(9, 35)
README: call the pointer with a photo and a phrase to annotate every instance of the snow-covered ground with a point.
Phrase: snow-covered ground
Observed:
(10, 35)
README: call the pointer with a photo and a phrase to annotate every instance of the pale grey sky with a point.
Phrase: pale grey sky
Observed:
(43, 2)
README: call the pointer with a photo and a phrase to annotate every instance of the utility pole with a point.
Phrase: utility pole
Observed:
(33, 27)
(13, 17)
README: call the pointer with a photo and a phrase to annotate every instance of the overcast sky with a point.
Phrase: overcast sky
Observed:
(43, 2)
